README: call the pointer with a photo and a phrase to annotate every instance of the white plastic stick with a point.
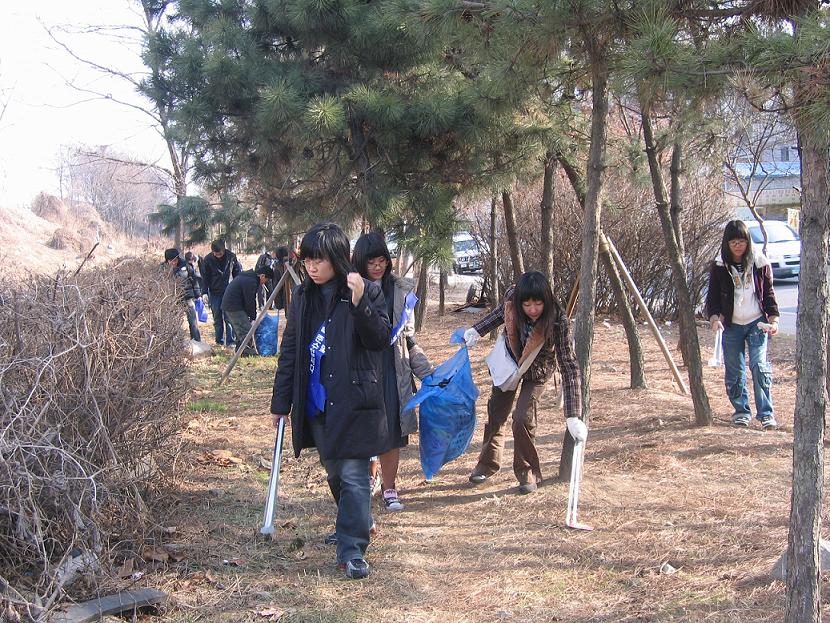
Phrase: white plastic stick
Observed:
(573, 492)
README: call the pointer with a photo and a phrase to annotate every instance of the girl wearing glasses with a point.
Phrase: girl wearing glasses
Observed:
(329, 379)
(372, 260)
(741, 303)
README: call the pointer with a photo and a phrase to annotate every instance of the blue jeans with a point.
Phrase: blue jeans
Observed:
(221, 323)
(735, 339)
(348, 480)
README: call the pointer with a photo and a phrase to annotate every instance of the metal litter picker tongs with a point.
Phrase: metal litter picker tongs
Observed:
(273, 483)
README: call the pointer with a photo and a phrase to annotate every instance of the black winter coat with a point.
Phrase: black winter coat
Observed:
(355, 417)
(186, 280)
(217, 272)
(240, 294)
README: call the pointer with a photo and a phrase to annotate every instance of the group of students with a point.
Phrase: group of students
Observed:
(348, 358)
(346, 368)
(233, 294)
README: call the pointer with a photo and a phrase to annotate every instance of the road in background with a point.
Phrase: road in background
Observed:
(786, 293)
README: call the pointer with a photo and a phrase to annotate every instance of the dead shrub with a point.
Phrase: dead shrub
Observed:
(49, 207)
(63, 239)
(91, 384)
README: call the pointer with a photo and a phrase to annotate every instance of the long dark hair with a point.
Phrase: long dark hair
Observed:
(367, 247)
(735, 230)
(533, 285)
(326, 241)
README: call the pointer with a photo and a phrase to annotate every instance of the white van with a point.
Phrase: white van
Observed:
(783, 247)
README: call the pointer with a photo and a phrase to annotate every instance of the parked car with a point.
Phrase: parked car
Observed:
(466, 254)
(783, 247)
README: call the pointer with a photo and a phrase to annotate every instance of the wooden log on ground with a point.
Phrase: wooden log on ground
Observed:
(93, 610)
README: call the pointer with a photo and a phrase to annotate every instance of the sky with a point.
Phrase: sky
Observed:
(44, 114)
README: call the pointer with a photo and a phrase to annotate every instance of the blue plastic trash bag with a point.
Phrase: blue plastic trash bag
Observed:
(266, 335)
(201, 312)
(448, 410)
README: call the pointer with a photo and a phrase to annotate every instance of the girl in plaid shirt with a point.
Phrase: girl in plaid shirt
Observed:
(531, 316)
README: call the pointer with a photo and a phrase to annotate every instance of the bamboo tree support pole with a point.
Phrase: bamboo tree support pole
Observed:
(293, 273)
(572, 299)
(249, 336)
(606, 244)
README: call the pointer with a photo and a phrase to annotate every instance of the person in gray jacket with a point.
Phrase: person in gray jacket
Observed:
(372, 260)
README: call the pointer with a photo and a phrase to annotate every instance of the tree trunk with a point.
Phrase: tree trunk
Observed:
(637, 379)
(689, 344)
(676, 205)
(635, 347)
(179, 234)
(803, 564)
(584, 325)
(442, 289)
(675, 209)
(512, 235)
(547, 217)
(421, 291)
(494, 259)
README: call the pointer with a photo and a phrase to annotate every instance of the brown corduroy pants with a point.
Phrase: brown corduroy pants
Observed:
(525, 458)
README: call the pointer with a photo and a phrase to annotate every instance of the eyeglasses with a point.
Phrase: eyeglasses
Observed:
(313, 263)
(377, 263)
(736, 242)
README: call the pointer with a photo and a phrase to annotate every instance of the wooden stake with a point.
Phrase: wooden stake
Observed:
(615, 256)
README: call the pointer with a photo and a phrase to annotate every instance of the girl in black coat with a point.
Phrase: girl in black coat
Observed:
(328, 380)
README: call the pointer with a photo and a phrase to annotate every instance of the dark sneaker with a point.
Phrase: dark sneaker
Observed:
(740, 422)
(356, 569)
(392, 501)
(769, 423)
(477, 479)
(527, 487)
(330, 539)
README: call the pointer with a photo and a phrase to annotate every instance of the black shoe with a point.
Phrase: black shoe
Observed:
(527, 487)
(477, 479)
(330, 539)
(357, 569)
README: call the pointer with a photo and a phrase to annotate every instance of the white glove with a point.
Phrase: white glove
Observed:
(577, 429)
(471, 336)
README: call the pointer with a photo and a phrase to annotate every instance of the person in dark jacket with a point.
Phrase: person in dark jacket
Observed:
(239, 302)
(195, 262)
(741, 303)
(403, 358)
(533, 323)
(217, 270)
(188, 285)
(328, 379)
(282, 256)
(266, 259)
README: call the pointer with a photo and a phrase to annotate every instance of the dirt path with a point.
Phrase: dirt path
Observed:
(713, 503)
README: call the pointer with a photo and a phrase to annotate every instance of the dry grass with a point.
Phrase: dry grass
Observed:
(712, 502)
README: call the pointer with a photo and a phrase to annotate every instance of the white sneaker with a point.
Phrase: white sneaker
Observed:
(391, 500)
